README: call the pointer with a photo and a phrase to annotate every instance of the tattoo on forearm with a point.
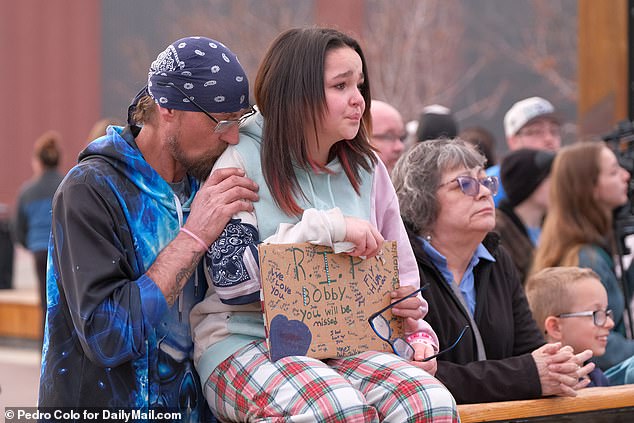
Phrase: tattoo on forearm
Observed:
(182, 276)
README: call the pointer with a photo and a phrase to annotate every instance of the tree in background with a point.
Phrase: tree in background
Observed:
(475, 57)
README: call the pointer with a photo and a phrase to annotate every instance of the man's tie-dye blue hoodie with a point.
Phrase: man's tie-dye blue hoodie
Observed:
(111, 340)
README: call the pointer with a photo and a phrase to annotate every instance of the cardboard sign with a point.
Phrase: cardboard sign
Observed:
(317, 303)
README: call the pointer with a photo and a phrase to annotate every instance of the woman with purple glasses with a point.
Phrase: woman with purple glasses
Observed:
(446, 202)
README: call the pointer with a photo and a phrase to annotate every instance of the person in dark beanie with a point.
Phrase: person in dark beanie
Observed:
(524, 173)
(435, 122)
(484, 140)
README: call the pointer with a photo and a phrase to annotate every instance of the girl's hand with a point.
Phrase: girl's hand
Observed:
(410, 310)
(366, 238)
(421, 351)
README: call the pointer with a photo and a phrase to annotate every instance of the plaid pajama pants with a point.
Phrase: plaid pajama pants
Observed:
(369, 387)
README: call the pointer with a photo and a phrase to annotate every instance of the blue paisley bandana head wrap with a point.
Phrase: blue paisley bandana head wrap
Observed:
(204, 69)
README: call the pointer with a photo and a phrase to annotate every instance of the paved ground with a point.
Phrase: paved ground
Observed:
(19, 375)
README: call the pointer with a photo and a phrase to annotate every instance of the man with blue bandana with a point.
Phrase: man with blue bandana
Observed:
(130, 223)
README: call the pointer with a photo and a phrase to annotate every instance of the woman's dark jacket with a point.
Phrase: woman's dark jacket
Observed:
(506, 325)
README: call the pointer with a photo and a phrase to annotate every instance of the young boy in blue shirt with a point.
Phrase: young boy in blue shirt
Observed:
(570, 305)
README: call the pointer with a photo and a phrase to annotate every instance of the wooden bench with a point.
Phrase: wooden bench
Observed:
(20, 314)
(608, 404)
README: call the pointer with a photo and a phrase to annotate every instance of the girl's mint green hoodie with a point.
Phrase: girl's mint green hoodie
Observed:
(230, 316)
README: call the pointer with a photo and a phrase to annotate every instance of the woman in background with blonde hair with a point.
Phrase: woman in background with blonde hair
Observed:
(33, 218)
(587, 184)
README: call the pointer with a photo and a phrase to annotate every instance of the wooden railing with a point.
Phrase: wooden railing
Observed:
(20, 318)
(608, 404)
(20, 314)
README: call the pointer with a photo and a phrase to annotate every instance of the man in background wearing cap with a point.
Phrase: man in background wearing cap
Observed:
(529, 123)
(130, 224)
(525, 174)
(388, 133)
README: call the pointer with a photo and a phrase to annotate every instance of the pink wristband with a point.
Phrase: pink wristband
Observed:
(420, 338)
(196, 238)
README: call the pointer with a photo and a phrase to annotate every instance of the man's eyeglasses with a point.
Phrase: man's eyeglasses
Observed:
(381, 326)
(471, 186)
(222, 126)
(599, 317)
(389, 137)
(552, 130)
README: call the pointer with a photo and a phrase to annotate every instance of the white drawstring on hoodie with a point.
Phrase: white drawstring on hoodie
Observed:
(179, 212)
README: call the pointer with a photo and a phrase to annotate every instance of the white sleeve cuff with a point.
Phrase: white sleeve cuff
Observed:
(338, 224)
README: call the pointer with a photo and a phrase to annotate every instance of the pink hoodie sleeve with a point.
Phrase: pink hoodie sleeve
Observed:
(387, 218)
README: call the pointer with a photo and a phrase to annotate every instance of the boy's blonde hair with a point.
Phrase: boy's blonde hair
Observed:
(550, 291)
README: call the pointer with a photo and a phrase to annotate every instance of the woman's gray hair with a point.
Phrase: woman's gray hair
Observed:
(417, 175)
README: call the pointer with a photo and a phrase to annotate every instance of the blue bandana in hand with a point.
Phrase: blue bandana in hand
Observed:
(204, 69)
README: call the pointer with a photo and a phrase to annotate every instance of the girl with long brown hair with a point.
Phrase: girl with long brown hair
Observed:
(587, 184)
(320, 182)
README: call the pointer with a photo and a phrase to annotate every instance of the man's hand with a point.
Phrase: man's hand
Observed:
(225, 193)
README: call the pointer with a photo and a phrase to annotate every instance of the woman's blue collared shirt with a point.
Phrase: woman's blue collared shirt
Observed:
(467, 285)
